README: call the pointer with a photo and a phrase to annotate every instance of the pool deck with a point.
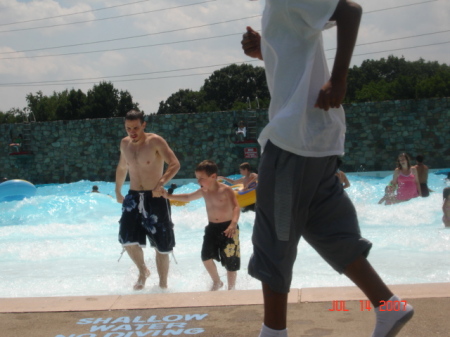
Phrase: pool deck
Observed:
(223, 313)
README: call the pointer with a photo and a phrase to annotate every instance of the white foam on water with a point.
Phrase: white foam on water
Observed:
(63, 242)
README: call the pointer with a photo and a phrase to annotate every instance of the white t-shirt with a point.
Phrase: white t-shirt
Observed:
(242, 130)
(296, 70)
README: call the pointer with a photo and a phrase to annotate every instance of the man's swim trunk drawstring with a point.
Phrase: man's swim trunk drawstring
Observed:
(142, 210)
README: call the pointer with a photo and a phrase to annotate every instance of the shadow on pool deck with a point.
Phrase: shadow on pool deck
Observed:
(222, 313)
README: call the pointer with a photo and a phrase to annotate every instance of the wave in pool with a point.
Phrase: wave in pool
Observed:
(63, 242)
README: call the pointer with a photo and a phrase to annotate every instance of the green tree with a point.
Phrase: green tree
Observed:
(14, 115)
(183, 101)
(396, 78)
(102, 101)
(77, 100)
(231, 88)
(43, 107)
(125, 103)
(235, 84)
(436, 85)
(208, 106)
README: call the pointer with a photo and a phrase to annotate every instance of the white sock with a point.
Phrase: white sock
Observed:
(389, 323)
(268, 332)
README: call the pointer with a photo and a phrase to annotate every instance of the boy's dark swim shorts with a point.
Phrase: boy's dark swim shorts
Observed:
(221, 248)
(144, 216)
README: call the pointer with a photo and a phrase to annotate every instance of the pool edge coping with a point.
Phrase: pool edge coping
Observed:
(206, 299)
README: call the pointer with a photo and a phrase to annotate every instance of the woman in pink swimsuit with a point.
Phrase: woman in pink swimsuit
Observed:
(406, 178)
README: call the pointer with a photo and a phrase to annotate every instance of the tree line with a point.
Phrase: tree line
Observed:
(102, 101)
(395, 78)
(241, 87)
(235, 87)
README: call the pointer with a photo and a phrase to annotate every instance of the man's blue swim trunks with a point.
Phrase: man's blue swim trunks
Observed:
(144, 216)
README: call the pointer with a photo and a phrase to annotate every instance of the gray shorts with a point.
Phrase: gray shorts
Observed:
(301, 196)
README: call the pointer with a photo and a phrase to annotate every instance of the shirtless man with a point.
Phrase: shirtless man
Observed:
(145, 213)
(422, 172)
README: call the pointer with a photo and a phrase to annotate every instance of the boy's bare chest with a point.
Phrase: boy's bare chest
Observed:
(217, 200)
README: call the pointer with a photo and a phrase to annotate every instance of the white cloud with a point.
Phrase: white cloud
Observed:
(16, 12)
(377, 26)
(111, 59)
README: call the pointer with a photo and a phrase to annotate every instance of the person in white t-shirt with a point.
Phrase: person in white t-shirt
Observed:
(241, 132)
(298, 193)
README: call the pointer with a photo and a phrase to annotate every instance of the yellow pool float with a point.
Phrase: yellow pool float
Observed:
(244, 198)
(177, 203)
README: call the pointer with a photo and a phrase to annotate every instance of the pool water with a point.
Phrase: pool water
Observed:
(63, 242)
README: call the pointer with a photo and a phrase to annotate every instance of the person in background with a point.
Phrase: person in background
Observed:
(446, 206)
(406, 178)
(17, 143)
(389, 196)
(172, 188)
(249, 179)
(95, 189)
(298, 193)
(342, 176)
(422, 172)
(241, 132)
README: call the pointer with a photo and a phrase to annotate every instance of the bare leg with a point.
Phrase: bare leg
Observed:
(366, 278)
(231, 277)
(275, 308)
(162, 265)
(212, 271)
(137, 255)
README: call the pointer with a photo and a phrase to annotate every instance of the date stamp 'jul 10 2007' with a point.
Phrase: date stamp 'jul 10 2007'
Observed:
(366, 305)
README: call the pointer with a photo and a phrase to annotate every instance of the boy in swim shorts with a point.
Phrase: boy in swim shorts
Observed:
(221, 239)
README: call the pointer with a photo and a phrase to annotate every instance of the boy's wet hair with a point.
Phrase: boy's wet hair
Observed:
(134, 114)
(245, 166)
(207, 166)
(446, 192)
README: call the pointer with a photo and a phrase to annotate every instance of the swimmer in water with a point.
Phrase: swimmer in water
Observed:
(422, 173)
(389, 196)
(341, 175)
(249, 179)
(446, 206)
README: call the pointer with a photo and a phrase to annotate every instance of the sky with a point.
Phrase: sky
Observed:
(153, 48)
